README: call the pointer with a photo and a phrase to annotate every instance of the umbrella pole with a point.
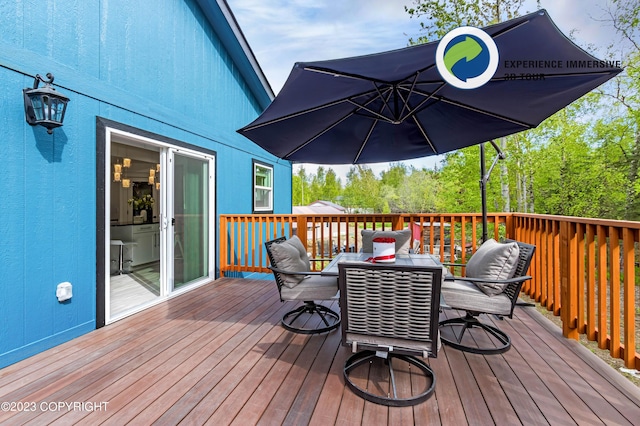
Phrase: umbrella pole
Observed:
(484, 178)
(483, 192)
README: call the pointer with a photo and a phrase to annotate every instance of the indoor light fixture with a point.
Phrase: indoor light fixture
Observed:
(44, 106)
(126, 162)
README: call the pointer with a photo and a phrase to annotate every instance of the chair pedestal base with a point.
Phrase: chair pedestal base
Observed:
(391, 399)
(468, 322)
(330, 319)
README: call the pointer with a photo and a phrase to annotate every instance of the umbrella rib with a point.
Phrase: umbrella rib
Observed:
(510, 28)
(299, 147)
(377, 114)
(364, 78)
(490, 114)
(406, 101)
(433, 148)
(342, 74)
(428, 96)
(335, 124)
(306, 111)
(366, 139)
(364, 143)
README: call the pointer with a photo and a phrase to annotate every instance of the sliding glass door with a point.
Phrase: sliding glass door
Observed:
(160, 223)
(191, 219)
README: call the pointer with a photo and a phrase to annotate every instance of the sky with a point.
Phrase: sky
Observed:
(282, 32)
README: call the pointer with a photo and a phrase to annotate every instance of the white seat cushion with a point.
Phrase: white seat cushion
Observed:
(314, 287)
(464, 295)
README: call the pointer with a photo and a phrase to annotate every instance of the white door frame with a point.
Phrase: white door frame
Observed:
(167, 152)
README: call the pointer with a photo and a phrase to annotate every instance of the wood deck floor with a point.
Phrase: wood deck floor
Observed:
(217, 355)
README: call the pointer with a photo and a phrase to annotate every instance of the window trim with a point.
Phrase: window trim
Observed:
(255, 164)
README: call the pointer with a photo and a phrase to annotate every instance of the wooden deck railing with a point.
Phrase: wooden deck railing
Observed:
(584, 270)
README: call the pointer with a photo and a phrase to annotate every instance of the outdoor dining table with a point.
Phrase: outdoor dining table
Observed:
(426, 260)
(412, 259)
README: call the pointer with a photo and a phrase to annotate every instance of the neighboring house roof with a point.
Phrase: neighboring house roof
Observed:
(319, 207)
(226, 27)
(329, 204)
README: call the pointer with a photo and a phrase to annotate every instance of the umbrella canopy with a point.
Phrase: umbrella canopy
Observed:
(396, 106)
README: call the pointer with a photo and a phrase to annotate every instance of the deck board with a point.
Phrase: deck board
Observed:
(218, 355)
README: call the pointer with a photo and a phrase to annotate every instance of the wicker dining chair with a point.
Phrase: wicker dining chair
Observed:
(390, 322)
(494, 277)
(296, 282)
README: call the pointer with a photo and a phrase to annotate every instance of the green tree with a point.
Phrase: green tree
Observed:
(362, 191)
(300, 188)
(624, 15)
(391, 182)
(441, 16)
(332, 189)
(419, 192)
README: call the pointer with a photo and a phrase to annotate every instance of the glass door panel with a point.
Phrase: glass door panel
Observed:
(134, 232)
(190, 219)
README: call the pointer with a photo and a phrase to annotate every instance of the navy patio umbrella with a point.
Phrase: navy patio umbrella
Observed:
(402, 104)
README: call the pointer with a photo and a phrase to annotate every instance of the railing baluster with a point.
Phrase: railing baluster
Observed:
(628, 244)
(614, 291)
(602, 288)
(591, 283)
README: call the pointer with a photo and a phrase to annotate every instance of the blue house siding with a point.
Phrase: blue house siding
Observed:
(164, 70)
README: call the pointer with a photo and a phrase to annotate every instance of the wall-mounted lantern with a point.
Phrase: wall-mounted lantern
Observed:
(44, 106)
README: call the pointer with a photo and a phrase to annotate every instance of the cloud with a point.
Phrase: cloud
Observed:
(282, 32)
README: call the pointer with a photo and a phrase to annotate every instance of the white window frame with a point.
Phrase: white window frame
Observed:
(256, 187)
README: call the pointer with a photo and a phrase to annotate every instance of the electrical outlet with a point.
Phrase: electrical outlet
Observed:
(63, 291)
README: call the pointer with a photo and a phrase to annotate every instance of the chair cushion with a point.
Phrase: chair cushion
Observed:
(290, 255)
(464, 295)
(493, 260)
(403, 239)
(314, 287)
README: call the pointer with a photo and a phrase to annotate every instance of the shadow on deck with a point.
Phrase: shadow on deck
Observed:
(218, 355)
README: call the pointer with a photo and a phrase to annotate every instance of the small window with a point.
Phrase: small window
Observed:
(262, 188)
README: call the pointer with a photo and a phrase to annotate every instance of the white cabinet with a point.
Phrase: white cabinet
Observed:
(146, 239)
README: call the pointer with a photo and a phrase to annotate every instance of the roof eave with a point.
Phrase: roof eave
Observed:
(226, 27)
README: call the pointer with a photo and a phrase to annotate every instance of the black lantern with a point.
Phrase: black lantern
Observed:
(44, 106)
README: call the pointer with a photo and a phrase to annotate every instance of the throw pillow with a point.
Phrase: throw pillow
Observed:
(291, 256)
(493, 260)
(403, 239)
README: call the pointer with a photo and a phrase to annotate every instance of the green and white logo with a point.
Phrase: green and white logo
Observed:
(467, 57)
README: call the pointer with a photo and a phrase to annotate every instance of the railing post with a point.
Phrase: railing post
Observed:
(510, 230)
(568, 290)
(301, 225)
(628, 244)
(223, 245)
(397, 222)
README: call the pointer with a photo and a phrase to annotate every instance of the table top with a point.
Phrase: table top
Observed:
(401, 259)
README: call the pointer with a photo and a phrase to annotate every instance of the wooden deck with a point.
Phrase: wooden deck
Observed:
(218, 355)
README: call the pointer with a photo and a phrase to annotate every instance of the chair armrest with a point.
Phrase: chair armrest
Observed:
(282, 271)
(453, 264)
(490, 280)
